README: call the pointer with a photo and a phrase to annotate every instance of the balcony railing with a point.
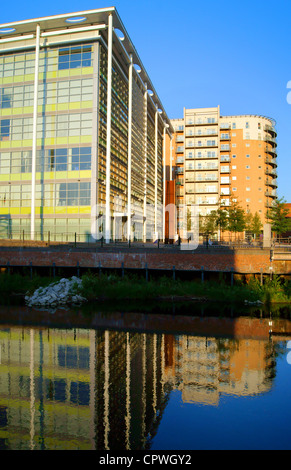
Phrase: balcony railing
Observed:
(271, 194)
(271, 172)
(271, 182)
(208, 168)
(200, 144)
(202, 122)
(267, 138)
(270, 129)
(270, 150)
(271, 161)
(224, 136)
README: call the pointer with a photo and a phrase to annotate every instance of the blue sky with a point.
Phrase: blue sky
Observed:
(200, 54)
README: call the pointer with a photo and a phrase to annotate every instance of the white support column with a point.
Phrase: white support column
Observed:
(34, 132)
(156, 173)
(145, 163)
(129, 149)
(108, 131)
(94, 155)
(164, 181)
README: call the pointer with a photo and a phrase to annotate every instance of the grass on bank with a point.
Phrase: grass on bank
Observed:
(114, 287)
(130, 287)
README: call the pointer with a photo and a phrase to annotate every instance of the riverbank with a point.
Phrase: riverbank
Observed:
(95, 288)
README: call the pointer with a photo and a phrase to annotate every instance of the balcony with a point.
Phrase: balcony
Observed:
(224, 148)
(179, 160)
(202, 122)
(205, 155)
(180, 182)
(224, 170)
(270, 129)
(271, 182)
(271, 161)
(179, 171)
(208, 203)
(225, 158)
(270, 140)
(206, 178)
(180, 150)
(208, 168)
(224, 136)
(224, 126)
(207, 191)
(271, 194)
(271, 172)
(179, 139)
(208, 132)
(201, 144)
(270, 150)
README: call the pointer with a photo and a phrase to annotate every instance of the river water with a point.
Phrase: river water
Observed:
(185, 378)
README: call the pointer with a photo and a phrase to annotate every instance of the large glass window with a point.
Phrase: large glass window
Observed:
(4, 129)
(81, 158)
(75, 57)
(73, 194)
(61, 159)
(5, 98)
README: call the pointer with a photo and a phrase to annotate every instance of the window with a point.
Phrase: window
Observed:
(234, 156)
(248, 189)
(234, 189)
(4, 129)
(259, 125)
(234, 167)
(247, 125)
(81, 158)
(73, 194)
(248, 178)
(247, 156)
(234, 125)
(248, 167)
(234, 178)
(5, 98)
(233, 145)
(75, 57)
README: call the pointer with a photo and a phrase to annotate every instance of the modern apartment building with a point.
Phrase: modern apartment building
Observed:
(82, 130)
(216, 158)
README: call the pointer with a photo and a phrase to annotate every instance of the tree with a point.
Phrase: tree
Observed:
(236, 217)
(222, 218)
(208, 223)
(278, 217)
(256, 225)
(253, 224)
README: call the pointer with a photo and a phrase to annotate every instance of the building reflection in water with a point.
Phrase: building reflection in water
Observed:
(91, 389)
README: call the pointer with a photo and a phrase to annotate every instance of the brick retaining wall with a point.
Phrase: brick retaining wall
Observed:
(246, 261)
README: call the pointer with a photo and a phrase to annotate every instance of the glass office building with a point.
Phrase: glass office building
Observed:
(82, 131)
